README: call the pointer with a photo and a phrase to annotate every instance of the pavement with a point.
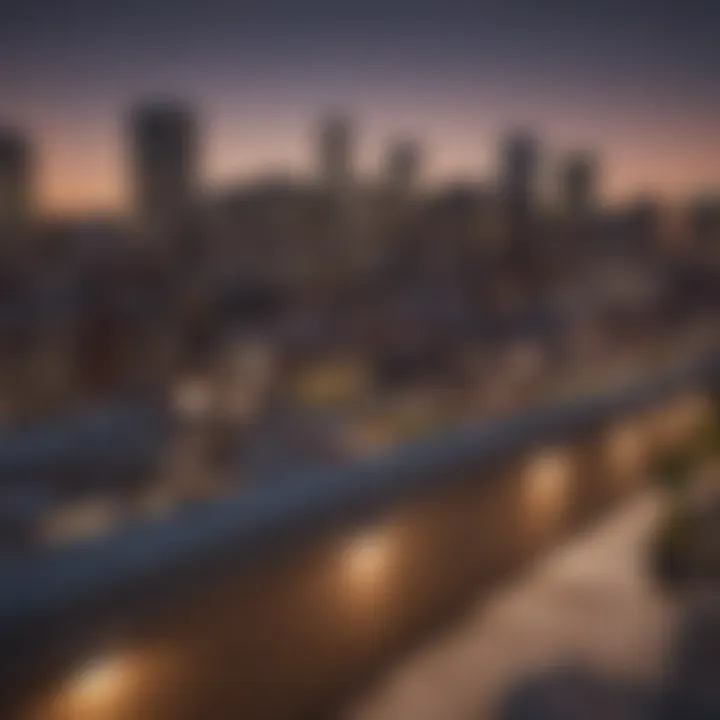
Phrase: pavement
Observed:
(588, 610)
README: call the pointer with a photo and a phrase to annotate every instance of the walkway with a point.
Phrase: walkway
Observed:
(590, 604)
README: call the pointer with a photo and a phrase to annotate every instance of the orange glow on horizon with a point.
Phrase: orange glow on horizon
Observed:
(82, 171)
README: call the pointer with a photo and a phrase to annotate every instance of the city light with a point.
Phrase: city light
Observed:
(320, 320)
(193, 399)
(546, 489)
(84, 519)
(627, 450)
(98, 689)
(681, 419)
(367, 560)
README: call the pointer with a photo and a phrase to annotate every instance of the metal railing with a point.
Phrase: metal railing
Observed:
(47, 598)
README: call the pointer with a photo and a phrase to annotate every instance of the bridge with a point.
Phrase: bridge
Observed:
(286, 600)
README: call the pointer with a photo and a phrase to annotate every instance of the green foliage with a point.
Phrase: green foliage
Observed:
(673, 468)
(678, 547)
(672, 545)
(708, 441)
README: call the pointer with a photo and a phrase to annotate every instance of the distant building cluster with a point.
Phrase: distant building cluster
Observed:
(283, 322)
(173, 208)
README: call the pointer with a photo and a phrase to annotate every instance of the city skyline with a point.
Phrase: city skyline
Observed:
(635, 82)
(83, 195)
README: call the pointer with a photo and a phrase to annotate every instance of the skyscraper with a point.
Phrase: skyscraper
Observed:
(403, 165)
(15, 181)
(578, 184)
(336, 162)
(704, 221)
(519, 174)
(165, 165)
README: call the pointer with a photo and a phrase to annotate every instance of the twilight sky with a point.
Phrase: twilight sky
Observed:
(639, 81)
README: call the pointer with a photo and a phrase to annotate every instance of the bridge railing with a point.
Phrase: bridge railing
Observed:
(416, 529)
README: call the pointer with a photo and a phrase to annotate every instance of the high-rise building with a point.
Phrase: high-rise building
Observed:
(165, 165)
(578, 184)
(520, 174)
(336, 162)
(403, 165)
(346, 202)
(704, 221)
(643, 224)
(15, 181)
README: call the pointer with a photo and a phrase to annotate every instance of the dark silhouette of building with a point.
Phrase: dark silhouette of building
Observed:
(578, 184)
(336, 162)
(520, 164)
(642, 225)
(15, 181)
(165, 165)
(704, 222)
(403, 165)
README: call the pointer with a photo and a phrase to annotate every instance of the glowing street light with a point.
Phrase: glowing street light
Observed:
(546, 488)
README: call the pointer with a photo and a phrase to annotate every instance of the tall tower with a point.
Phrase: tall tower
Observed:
(15, 182)
(578, 184)
(336, 162)
(520, 174)
(403, 165)
(165, 165)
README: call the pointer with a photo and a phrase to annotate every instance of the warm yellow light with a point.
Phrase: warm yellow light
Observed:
(677, 422)
(627, 450)
(99, 687)
(546, 487)
(76, 521)
(367, 559)
(99, 678)
(331, 383)
(192, 399)
(243, 380)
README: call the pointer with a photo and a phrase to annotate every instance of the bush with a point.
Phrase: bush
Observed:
(673, 469)
(671, 547)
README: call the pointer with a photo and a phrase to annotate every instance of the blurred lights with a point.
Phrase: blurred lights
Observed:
(332, 383)
(91, 518)
(546, 487)
(681, 419)
(245, 379)
(367, 559)
(627, 450)
(98, 687)
(192, 399)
